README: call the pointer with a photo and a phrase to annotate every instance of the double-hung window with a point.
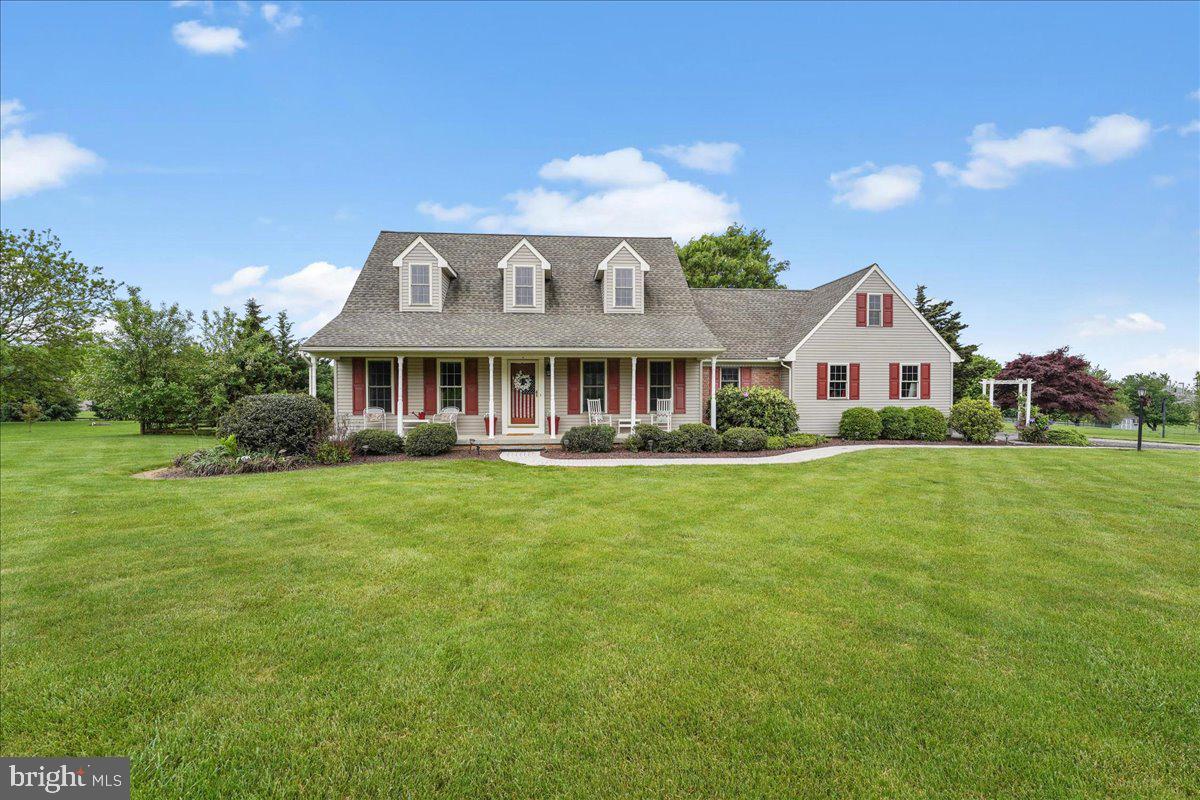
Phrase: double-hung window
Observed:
(874, 311)
(731, 376)
(623, 283)
(660, 383)
(523, 281)
(839, 381)
(418, 288)
(379, 385)
(450, 385)
(910, 381)
(593, 383)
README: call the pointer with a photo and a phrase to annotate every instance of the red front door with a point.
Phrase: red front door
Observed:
(522, 403)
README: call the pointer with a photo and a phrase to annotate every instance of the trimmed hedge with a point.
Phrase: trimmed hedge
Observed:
(759, 407)
(589, 439)
(806, 439)
(743, 440)
(1067, 436)
(648, 437)
(777, 443)
(696, 437)
(896, 422)
(860, 424)
(929, 424)
(292, 424)
(431, 439)
(376, 443)
(976, 419)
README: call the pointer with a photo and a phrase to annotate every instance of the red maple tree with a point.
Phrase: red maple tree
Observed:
(1061, 384)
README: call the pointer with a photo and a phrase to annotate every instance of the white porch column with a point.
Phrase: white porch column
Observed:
(491, 397)
(632, 394)
(312, 375)
(1028, 399)
(553, 407)
(992, 393)
(400, 395)
(712, 400)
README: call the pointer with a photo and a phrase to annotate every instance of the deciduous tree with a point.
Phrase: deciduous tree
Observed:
(1062, 384)
(737, 258)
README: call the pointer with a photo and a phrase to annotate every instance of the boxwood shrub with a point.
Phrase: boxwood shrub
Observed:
(649, 437)
(696, 437)
(292, 424)
(376, 443)
(860, 423)
(976, 419)
(743, 440)
(929, 424)
(589, 439)
(1067, 436)
(805, 439)
(431, 439)
(777, 443)
(769, 410)
(896, 422)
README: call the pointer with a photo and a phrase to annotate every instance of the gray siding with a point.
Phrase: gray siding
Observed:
(524, 258)
(624, 259)
(840, 341)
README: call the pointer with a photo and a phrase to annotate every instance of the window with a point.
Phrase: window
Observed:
(524, 286)
(910, 381)
(731, 376)
(593, 383)
(450, 384)
(874, 311)
(839, 381)
(660, 383)
(418, 289)
(379, 385)
(623, 280)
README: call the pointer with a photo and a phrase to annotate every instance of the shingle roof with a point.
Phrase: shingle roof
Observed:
(768, 323)
(473, 315)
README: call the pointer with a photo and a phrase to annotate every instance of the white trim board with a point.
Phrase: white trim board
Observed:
(420, 240)
(604, 263)
(503, 264)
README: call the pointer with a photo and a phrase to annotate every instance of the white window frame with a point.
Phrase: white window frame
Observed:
(650, 382)
(617, 271)
(916, 382)
(462, 385)
(829, 383)
(878, 324)
(603, 362)
(517, 286)
(428, 284)
(721, 377)
(391, 385)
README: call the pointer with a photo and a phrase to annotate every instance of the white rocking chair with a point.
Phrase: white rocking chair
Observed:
(662, 414)
(373, 417)
(596, 415)
(449, 415)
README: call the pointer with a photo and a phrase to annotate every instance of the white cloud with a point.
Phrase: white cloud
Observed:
(207, 5)
(704, 156)
(625, 167)
(1190, 128)
(39, 161)
(312, 295)
(1195, 95)
(279, 19)
(1103, 325)
(995, 162)
(1163, 181)
(244, 278)
(442, 213)
(208, 40)
(869, 188)
(1180, 363)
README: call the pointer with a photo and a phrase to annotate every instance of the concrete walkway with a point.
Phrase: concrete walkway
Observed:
(1147, 444)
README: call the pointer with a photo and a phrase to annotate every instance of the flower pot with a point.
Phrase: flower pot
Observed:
(556, 428)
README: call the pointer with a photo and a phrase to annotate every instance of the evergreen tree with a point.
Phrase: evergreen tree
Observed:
(254, 321)
(950, 326)
(289, 355)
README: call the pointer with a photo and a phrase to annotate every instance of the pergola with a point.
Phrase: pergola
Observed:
(1023, 385)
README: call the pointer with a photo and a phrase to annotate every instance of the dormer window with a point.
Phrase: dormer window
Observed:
(523, 286)
(623, 277)
(419, 286)
(624, 287)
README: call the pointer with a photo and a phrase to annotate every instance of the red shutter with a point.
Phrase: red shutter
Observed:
(925, 381)
(643, 386)
(471, 386)
(887, 311)
(614, 386)
(358, 384)
(893, 381)
(680, 386)
(860, 305)
(854, 381)
(573, 385)
(745, 377)
(431, 387)
(404, 388)
(822, 381)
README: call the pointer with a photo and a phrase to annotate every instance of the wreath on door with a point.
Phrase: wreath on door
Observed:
(523, 382)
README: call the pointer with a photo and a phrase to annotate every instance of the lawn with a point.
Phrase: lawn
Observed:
(1177, 434)
(1008, 622)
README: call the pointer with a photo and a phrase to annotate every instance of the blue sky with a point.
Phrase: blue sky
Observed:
(1036, 163)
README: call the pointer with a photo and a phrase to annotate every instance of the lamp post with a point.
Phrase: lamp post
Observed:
(1141, 392)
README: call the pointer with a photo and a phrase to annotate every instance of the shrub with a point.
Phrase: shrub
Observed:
(976, 419)
(648, 437)
(1067, 436)
(277, 423)
(431, 439)
(696, 437)
(768, 410)
(744, 439)
(896, 422)
(860, 423)
(332, 453)
(589, 439)
(218, 461)
(376, 442)
(777, 442)
(1035, 430)
(805, 439)
(928, 424)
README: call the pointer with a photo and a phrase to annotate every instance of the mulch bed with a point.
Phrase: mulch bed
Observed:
(457, 454)
(620, 453)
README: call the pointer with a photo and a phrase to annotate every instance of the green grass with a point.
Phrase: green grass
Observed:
(1176, 434)
(904, 623)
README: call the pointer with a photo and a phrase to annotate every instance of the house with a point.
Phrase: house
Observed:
(510, 327)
